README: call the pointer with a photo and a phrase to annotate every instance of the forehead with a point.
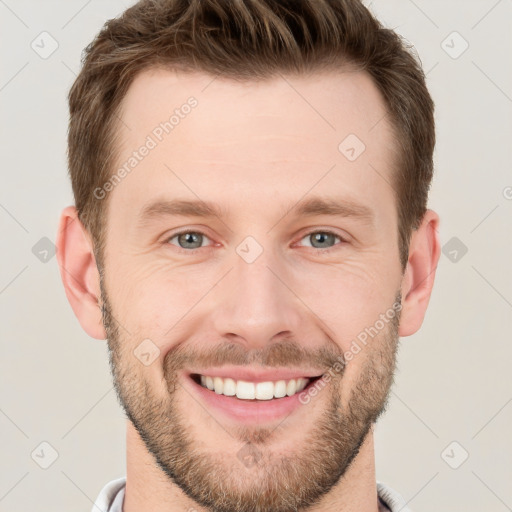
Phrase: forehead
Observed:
(332, 101)
(272, 139)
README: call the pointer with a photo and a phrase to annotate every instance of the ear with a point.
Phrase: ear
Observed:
(418, 279)
(79, 272)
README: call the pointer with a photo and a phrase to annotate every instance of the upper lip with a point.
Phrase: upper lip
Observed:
(256, 375)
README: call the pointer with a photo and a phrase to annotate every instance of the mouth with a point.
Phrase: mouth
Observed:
(253, 399)
(247, 390)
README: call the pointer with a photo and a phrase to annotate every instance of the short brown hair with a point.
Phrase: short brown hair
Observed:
(247, 40)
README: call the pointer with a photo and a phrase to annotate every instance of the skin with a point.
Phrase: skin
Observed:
(256, 149)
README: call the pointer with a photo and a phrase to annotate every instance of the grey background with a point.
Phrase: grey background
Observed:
(454, 381)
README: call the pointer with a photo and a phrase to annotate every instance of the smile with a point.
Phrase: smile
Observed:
(250, 396)
(245, 390)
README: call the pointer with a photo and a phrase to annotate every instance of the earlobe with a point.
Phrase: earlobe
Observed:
(79, 272)
(418, 279)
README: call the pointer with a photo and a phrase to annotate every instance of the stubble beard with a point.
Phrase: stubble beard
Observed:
(275, 481)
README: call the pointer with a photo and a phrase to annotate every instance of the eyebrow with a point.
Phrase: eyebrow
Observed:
(313, 206)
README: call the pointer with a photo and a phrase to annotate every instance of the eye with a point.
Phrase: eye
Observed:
(188, 239)
(322, 239)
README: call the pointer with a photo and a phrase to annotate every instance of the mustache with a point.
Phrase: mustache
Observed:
(278, 354)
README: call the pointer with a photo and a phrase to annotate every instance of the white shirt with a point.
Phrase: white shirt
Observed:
(111, 498)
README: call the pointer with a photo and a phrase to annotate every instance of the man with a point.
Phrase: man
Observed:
(251, 236)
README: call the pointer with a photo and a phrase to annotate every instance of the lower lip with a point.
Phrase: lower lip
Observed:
(248, 411)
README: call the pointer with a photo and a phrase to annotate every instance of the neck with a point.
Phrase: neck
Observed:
(149, 488)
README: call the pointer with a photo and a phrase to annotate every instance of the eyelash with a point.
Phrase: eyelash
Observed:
(199, 232)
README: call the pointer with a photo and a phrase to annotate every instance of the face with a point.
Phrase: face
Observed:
(287, 284)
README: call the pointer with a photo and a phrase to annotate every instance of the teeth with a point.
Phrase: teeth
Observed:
(301, 384)
(280, 389)
(250, 390)
(229, 387)
(218, 385)
(291, 387)
(264, 391)
(245, 390)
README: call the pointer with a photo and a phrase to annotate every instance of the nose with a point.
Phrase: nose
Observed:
(256, 304)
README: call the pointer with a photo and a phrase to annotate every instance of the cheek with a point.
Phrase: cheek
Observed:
(152, 298)
(158, 300)
(348, 297)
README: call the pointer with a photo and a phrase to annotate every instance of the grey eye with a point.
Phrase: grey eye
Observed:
(189, 239)
(321, 239)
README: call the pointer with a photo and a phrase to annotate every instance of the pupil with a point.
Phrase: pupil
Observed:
(191, 238)
(321, 237)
